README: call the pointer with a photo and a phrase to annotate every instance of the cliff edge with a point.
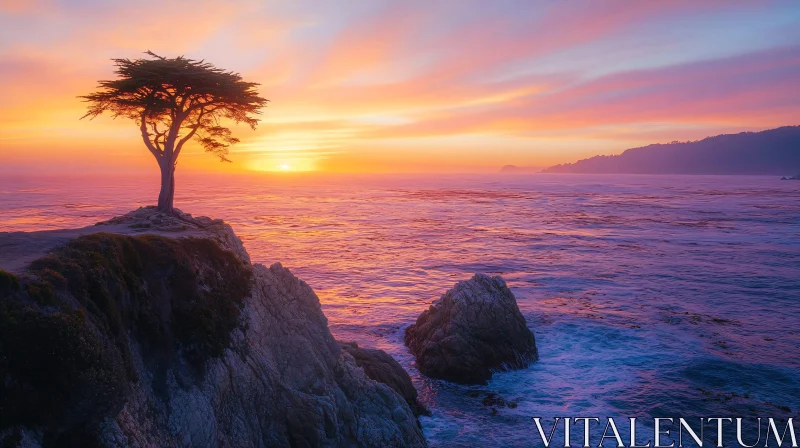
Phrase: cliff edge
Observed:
(155, 330)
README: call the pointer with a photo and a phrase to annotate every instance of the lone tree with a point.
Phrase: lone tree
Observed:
(174, 100)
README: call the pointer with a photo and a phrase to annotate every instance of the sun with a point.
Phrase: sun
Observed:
(286, 166)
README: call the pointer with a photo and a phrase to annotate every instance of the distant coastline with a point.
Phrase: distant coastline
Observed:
(772, 152)
(520, 169)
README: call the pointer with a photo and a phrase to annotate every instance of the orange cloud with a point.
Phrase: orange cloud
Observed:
(407, 86)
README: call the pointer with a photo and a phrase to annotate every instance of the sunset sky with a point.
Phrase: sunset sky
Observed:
(407, 86)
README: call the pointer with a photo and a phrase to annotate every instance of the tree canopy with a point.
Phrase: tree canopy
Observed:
(174, 100)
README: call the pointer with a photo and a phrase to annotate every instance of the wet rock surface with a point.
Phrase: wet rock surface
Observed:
(473, 330)
(381, 367)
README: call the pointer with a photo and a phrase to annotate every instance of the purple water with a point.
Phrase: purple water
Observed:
(648, 295)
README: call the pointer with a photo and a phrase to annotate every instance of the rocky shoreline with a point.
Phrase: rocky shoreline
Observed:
(154, 329)
(271, 374)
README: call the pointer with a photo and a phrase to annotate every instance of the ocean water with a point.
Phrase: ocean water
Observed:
(660, 296)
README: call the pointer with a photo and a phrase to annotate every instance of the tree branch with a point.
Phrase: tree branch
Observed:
(157, 136)
(146, 137)
(188, 136)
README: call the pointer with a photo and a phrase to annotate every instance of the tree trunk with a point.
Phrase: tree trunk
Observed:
(167, 193)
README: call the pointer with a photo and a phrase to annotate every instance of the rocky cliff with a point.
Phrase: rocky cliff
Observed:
(167, 335)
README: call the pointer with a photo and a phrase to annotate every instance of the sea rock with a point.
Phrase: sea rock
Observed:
(474, 329)
(179, 341)
(381, 367)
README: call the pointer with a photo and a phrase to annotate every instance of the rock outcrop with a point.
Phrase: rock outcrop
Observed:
(148, 340)
(474, 329)
(381, 367)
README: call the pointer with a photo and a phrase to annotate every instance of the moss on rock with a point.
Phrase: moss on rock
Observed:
(8, 282)
(67, 326)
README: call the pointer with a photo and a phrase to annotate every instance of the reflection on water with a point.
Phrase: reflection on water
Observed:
(665, 296)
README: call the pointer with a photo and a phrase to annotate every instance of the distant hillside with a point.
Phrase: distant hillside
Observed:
(520, 169)
(776, 151)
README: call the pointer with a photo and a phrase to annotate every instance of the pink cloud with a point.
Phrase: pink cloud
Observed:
(766, 83)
